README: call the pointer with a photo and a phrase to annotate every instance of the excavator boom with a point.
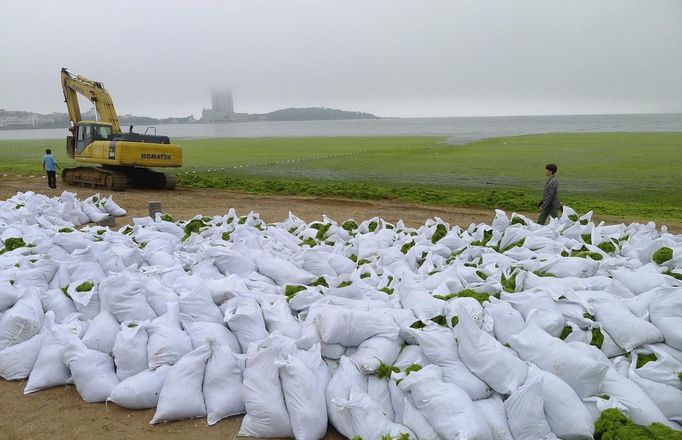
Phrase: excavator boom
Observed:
(72, 85)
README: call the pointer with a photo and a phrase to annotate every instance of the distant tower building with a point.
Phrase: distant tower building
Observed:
(222, 102)
(222, 107)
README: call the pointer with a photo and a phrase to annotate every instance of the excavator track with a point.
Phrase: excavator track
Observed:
(95, 177)
(139, 177)
(118, 179)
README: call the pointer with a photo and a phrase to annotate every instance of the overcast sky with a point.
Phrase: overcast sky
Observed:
(389, 57)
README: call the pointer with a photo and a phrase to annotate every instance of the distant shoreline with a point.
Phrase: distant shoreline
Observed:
(179, 121)
(20, 120)
(456, 130)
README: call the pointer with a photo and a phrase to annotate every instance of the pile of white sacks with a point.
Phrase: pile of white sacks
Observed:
(30, 208)
(505, 331)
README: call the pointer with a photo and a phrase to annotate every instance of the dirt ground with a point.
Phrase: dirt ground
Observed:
(60, 413)
(184, 203)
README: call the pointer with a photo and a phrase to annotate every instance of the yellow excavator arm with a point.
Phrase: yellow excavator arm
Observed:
(92, 90)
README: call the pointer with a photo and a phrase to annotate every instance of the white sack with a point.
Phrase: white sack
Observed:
(374, 351)
(200, 332)
(665, 369)
(282, 271)
(112, 207)
(22, 321)
(130, 349)
(158, 295)
(266, 412)
(123, 296)
(87, 303)
(547, 315)
(101, 332)
(92, 371)
(229, 261)
(582, 373)
(346, 377)
(49, 369)
(665, 313)
(641, 409)
(338, 325)
(58, 302)
(495, 414)
(415, 420)
(666, 397)
(199, 305)
(496, 364)
(440, 348)
(245, 319)
(304, 398)
(367, 419)
(94, 214)
(525, 413)
(566, 415)
(278, 317)
(377, 389)
(506, 320)
(167, 342)
(222, 384)
(639, 281)
(447, 408)
(17, 361)
(9, 295)
(181, 396)
(140, 391)
(626, 329)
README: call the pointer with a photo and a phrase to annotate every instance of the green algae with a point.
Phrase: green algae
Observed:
(614, 425)
(662, 255)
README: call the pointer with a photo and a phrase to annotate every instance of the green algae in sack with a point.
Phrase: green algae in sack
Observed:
(662, 255)
(441, 231)
(614, 425)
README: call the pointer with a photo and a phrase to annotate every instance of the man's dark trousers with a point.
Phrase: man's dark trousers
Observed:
(52, 179)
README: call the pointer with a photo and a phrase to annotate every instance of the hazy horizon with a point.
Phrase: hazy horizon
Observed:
(390, 117)
(391, 58)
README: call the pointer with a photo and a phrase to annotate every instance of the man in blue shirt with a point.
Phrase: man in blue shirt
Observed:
(50, 167)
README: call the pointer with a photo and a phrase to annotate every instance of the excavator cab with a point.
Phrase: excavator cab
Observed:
(84, 133)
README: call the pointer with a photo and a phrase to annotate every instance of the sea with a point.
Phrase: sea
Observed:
(456, 129)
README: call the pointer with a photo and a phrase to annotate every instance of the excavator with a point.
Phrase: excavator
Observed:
(124, 159)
